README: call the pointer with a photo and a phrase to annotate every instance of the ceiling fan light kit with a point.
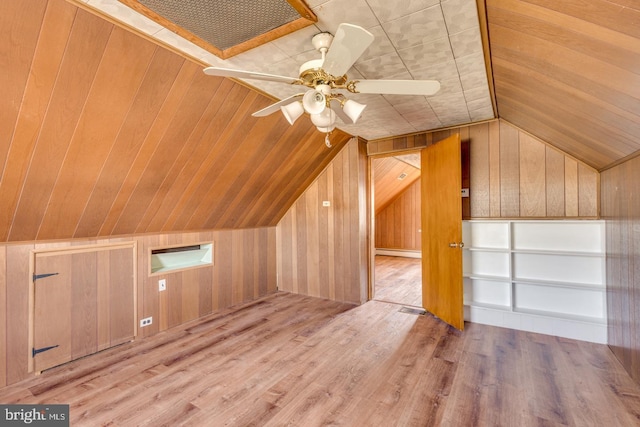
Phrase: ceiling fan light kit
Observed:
(328, 74)
(292, 111)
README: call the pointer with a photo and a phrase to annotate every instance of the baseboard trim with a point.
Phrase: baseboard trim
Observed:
(399, 252)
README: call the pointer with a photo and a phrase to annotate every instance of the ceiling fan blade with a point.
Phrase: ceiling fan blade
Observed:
(276, 107)
(241, 74)
(348, 44)
(398, 87)
(336, 106)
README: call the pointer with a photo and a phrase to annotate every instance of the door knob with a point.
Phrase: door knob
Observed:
(456, 245)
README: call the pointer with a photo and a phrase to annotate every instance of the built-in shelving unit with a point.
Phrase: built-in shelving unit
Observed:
(540, 276)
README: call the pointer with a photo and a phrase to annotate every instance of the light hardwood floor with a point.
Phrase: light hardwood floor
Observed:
(293, 360)
(398, 280)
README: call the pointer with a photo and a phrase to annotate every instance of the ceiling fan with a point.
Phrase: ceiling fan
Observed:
(326, 77)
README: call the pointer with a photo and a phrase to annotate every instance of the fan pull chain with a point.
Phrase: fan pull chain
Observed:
(326, 140)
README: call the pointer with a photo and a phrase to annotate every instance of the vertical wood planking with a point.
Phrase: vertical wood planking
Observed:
(84, 304)
(532, 177)
(151, 99)
(344, 247)
(3, 317)
(554, 182)
(588, 191)
(41, 79)
(397, 225)
(101, 119)
(509, 171)
(621, 210)
(121, 297)
(73, 84)
(494, 169)
(104, 293)
(20, 30)
(571, 187)
(480, 173)
(511, 177)
(17, 345)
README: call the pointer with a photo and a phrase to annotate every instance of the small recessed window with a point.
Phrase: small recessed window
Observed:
(174, 258)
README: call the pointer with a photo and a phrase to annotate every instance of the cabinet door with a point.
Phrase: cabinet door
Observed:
(83, 303)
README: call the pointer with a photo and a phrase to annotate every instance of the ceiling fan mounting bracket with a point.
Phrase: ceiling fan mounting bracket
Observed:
(322, 41)
(317, 76)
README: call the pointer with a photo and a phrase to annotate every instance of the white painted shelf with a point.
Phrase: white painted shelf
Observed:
(544, 276)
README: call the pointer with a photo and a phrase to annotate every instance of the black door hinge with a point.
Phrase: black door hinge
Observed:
(42, 276)
(35, 351)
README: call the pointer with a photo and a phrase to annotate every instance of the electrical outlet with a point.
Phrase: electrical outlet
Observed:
(162, 285)
(146, 321)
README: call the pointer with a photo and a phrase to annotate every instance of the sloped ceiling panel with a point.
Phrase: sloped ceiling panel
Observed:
(105, 133)
(569, 73)
(391, 177)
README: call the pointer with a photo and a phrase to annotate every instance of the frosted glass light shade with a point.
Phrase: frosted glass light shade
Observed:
(353, 109)
(292, 111)
(324, 119)
(314, 102)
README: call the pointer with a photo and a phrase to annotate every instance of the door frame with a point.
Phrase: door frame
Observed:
(67, 249)
(372, 211)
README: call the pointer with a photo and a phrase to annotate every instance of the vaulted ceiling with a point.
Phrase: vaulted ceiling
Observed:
(110, 128)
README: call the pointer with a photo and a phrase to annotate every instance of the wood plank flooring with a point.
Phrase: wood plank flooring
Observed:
(398, 280)
(293, 360)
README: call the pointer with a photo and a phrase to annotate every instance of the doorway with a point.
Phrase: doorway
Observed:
(396, 193)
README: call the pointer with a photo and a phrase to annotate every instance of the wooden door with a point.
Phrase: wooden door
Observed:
(442, 292)
(83, 303)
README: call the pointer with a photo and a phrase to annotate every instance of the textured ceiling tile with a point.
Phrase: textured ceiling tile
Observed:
(460, 15)
(171, 38)
(127, 15)
(481, 111)
(212, 59)
(439, 71)
(417, 28)
(473, 80)
(381, 46)
(426, 123)
(387, 10)
(254, 59)
(335, 12)
(450, 86)
(471, 64)
(412, 104)
(477, 93)
(286, 67)
(285, 55)
(386, 65)
(466, 42)
(447, 104)
(297, 42)
(426, 55)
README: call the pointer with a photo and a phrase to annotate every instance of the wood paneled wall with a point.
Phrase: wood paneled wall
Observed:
(514, 175)
(621, 212)
(244, 269)
(323, 250)
(567, 71)
(398, 225)
(386, 183)
(104, 133)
